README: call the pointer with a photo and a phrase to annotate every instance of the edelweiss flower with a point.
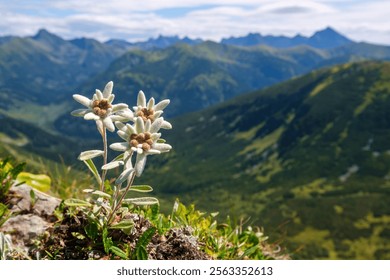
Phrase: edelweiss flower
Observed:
(142, 138)
(101, 109)
(150, 110)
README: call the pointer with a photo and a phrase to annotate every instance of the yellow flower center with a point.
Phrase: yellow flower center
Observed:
(146, 114)
(143, 138)
(100, 107)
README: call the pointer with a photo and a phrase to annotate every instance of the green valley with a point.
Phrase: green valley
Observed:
(308, 159)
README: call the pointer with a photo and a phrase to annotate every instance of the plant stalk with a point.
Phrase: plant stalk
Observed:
(104, 172)
(119, 202)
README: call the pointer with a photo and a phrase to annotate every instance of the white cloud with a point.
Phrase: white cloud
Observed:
(210, 19)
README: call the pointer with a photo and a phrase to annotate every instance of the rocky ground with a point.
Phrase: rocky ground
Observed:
(35, 230)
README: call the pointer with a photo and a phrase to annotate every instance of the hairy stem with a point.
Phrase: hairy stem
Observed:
(104, 172)
(119, 202)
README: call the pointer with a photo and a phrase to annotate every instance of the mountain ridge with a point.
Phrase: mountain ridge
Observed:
(195, 77)
(46, 69)
(324, 39)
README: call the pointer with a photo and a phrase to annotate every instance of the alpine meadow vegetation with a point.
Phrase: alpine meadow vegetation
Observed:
(113, 219)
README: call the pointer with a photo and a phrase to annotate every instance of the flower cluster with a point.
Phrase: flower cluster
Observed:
(101, 109)
(138, 128)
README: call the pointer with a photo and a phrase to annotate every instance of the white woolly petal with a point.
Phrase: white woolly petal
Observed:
(99, 125)
(150, 103)
(124, 176)
(95, 97)
(119, 106)
(141, 99)
(140, 164)
(111, 98)
(80, 112)
(148, 124)
(90, 154)
(155, 136)
(82, 100)
(117, 118)
(128, 163)
(112, 164)
(156, 125)
(121, 126)
(126, 114)
(161, 105)
(158, 114)
(91, 116)
(109, 124)
(140, 150)
(139, 125)
(120, 147)
(123, 135)
(99, 94)
(108, 89)
(154, 152)
(130, 129)
(162, 147)
(166, 125)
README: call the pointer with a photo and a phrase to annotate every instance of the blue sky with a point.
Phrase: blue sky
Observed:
(136, 20)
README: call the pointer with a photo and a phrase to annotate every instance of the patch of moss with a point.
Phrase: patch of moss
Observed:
(259, 145)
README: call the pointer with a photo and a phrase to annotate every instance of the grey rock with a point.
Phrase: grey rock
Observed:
(21, 201)
(29, 220)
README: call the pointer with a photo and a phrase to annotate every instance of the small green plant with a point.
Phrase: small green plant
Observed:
(225, 240)
(8, 174)
(5, 246)
(105, 207)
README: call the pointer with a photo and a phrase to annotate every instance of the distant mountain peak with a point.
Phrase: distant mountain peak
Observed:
(45, 36)
(42, 33)
(323, 39)
(328, 32)
(328, 38)
(84, 43)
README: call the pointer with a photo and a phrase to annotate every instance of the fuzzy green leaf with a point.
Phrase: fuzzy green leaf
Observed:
(117, 251)
(40, 182)
(120, 157)
(140, 248)
(87, 155)
(155, 209)
(74, 202)
(107, 241)
(140, 201)
(141, 188)
(124, 176)
(91, 166)
(141, 253)
(124, 225)
(112, 165)
(102, 194)
(146, 237)
(92, 230)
